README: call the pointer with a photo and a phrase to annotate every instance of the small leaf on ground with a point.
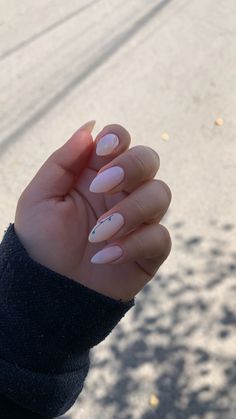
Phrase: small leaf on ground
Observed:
(153, 400)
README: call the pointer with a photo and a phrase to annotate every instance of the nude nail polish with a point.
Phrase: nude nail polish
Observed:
(107, 180)
(107, 144)
(88, 126)
(106, 228)
(107, 255)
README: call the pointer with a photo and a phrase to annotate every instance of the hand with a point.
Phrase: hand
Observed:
(57, 211)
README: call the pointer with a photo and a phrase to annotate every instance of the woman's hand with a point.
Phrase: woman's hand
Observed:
(57, 212)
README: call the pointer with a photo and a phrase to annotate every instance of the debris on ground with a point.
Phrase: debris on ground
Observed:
(219, 122)
(153, 400)
(165, 136)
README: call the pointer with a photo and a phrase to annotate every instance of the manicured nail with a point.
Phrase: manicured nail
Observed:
(106, 228)
(107, 255)
(88, 126)
(107, 144)
(107, 179)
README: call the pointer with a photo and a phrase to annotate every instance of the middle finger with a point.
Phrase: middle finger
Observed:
(127, 171)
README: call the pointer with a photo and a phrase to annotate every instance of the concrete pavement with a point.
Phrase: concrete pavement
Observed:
(153, 66)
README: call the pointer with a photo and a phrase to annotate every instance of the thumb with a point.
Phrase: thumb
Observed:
(60, 171)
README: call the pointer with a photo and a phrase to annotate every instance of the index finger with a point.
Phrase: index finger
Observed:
(113, 137)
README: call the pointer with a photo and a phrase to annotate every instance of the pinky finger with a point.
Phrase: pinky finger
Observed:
(149, 246)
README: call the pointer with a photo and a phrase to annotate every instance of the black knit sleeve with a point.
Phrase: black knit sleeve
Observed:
(48, 323)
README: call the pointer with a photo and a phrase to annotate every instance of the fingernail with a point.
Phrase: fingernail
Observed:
(107, 179)
(88, 126)
(106, 228)
(107, 255)
(107, 144)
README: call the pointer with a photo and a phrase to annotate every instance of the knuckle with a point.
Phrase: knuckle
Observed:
(167, 191)
(147, 158)
(155, 156)
(139, 208)
(144, 149)
(165, 242)
(136, 165)
(139, 165)
(54, 157)
(138, 246)
(163, 197)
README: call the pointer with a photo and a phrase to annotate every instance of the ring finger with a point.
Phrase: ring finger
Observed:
(146, 204)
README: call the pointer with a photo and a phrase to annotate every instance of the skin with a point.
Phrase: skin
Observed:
(56, 212)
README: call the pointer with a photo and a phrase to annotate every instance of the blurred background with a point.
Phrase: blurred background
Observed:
(166, 70)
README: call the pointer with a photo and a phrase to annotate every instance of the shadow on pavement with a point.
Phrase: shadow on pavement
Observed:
(182, 345)
(39, 34)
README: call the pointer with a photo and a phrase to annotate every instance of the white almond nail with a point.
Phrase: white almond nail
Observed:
(107, 255)
(107, 179)
(107, 144)
(106, 228)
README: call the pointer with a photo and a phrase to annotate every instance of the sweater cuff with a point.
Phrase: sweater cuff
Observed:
(48, 321)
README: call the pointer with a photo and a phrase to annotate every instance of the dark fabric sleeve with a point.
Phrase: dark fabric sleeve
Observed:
(48, 323)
